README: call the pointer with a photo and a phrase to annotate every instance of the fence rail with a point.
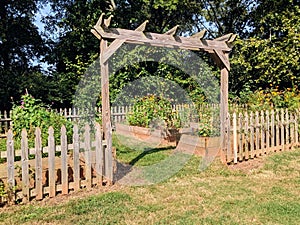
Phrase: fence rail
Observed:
(40, 171)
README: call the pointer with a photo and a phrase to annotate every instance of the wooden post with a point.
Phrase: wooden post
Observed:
(106, 114)
(224, 106)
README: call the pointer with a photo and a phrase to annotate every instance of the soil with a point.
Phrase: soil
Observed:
(248, 166)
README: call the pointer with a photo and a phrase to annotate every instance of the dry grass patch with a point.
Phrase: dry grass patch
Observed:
(269, 194)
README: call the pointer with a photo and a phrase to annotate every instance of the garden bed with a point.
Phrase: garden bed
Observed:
(203, 146)
(185, 141)
(147, 135)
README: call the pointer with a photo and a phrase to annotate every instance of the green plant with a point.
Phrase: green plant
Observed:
(153, 110)
(272, 98)
(209, 122)
(31, 113)
(3, 192)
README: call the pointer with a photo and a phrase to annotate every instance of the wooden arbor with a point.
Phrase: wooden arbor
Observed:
(219, 48)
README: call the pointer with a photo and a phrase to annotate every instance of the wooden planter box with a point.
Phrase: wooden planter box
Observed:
(203, 146)
(147, 134)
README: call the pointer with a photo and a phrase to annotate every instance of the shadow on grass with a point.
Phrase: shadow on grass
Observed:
(124, 168)
(148, 152)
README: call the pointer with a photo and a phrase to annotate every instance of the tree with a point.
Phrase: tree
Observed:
(270, 58)
(20, 46)
(221, 17)
(258, 59)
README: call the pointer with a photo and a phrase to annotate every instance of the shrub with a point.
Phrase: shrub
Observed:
(209, 122)
(272, 98)
(153, 110)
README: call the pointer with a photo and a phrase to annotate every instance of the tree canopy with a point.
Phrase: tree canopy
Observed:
(266, 55)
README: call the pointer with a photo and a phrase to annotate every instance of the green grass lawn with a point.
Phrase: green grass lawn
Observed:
(218, 195)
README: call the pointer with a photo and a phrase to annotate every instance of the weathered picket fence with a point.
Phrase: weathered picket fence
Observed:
(46, 171)
(118, 113)
(258, 133)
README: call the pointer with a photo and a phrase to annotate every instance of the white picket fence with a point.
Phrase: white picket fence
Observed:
(257, 133)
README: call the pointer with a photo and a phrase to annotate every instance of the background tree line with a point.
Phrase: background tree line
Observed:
(50, 61)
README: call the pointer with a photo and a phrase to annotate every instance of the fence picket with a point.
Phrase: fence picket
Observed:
(51, 162)
(282, 128)
(108, 159)
(38, 164)
(277, 131)
(267, 132)
(292, 131)
(272, 130)
(229, 149)
(257, 135)
(296, 129)
(10, 164)
(240, 138)
(234, 137)
(25, 167)
(287, 129)
(263, 132)
(246, 134)
(99, 155)
(76, 158)
(87, 151)
(251, 135)
(64, 157)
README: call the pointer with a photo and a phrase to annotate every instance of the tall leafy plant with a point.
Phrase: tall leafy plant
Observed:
(31, 113)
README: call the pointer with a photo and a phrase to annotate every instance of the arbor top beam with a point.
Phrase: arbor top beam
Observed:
(102, 31)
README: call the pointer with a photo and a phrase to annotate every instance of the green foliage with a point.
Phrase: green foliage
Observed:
(270, 57)
(272, 98)
(20, 45)
(31, 114)
(153, 110)
(209, 122)
(3, 191)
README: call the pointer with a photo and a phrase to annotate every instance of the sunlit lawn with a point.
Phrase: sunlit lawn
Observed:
(268, 195)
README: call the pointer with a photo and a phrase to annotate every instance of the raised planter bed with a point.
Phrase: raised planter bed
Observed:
(203, 146)
(185, 141)
(147, 134)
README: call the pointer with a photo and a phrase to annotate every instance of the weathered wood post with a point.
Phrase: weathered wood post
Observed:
(106, 115)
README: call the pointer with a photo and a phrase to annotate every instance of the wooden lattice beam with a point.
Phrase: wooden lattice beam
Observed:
(168, 39)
